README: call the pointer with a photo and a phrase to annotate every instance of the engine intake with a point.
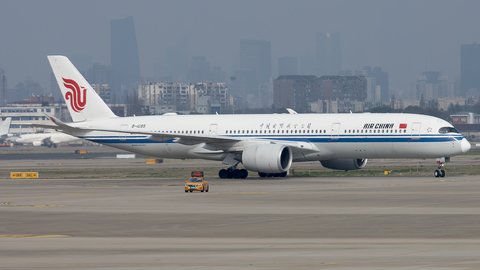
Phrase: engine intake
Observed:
(267, 158)
(344, 164)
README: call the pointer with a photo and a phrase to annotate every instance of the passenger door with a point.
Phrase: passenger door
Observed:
(416, 128)
(335, 131)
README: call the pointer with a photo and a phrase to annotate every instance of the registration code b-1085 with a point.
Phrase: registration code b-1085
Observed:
(139, 125)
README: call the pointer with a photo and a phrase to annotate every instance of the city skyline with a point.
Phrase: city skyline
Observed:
(405, 38)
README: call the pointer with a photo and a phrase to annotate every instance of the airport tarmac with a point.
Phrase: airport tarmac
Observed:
(274, 223)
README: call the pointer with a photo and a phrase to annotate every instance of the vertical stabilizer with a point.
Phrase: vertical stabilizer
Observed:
(5, 126)
(83, 102)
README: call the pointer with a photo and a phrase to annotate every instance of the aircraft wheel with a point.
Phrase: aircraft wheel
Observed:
(442, 173)
(244, 173)
(230, 173)
(223, 174)
(262, 174)
(237, 174)
(437, 173)
(283, 174)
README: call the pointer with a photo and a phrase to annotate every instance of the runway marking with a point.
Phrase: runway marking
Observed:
(100, 185)
(247, 192)
(30, 236)
(38, 205)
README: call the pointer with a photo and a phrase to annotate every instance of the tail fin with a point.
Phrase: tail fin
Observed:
(83, 102)
(5, 126)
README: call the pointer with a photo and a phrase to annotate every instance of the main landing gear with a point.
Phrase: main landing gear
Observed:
(440, 172)
(233, 172)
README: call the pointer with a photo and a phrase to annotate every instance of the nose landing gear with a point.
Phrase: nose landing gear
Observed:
(440, 161)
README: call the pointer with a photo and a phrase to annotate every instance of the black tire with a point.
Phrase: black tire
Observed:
(442, 173)
(230, 173)
(202, 190)
(207, 189)
(186, 191)
(283, 174)
(244, 173)
(437, 173)
(262, 174)
(237, 174)
(223, 174)
(191, 190)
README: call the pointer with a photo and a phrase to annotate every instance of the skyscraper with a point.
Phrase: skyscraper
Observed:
(381, 80)
(124, 50)
(470, 69)
(256, 56)
(329, 54)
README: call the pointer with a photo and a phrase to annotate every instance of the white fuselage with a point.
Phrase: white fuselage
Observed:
(326, 136)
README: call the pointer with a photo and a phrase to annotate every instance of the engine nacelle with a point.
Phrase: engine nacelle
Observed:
(37, 143)
(344, 164)
(267, 158)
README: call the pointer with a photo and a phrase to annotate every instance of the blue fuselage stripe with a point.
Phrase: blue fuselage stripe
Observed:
(302, 138)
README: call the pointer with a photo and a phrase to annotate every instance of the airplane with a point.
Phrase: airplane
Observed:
(45, 139)
(5, 128)
(267, 144)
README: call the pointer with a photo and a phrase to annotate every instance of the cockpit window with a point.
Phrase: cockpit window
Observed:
(447, 130)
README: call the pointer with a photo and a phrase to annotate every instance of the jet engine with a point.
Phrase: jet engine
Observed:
(37, 143)
(267, 158)
(344, 164)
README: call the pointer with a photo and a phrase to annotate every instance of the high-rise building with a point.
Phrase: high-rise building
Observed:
(124, 50)
(381, 80)
(199, 70)
(329, 54)
(432, 85)
(295, 91)
(470, 69)
(287, 65)
(255, 55)
(177, 61)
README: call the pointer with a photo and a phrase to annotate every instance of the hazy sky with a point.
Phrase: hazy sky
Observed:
(403, 37)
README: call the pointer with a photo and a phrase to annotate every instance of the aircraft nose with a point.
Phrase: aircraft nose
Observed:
(465, 145)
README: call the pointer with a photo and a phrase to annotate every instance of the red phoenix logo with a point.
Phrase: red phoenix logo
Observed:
(78, 100)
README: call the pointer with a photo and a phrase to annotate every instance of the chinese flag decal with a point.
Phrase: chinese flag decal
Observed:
(403, 125)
